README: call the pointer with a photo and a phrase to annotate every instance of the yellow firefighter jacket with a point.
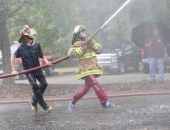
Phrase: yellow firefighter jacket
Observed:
(87, 61)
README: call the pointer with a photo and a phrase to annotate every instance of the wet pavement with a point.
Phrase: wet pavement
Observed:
(129, 113)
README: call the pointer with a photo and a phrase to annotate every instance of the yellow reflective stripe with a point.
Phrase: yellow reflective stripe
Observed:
(87, 55)
(96, 45)
(90, 72)
(79, 51)
(68, 53)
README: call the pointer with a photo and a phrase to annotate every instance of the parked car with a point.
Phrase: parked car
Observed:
(18, 62)
(116, 61)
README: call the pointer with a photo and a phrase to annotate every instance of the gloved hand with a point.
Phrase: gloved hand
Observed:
(91, 42)
(83, 46)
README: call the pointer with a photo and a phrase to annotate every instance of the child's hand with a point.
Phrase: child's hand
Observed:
(49, 63)
(14, 73)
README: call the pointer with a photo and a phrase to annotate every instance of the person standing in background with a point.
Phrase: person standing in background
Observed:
(156, 53)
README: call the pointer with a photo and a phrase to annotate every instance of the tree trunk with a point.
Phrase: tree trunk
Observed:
(6, 53)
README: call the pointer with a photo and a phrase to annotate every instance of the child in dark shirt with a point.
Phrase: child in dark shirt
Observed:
(30, 52)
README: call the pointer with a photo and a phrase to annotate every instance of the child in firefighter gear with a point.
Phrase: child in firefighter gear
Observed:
(30, 52)
(88, 68)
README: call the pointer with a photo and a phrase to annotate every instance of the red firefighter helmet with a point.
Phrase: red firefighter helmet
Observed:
(22, 31)
(26, 31)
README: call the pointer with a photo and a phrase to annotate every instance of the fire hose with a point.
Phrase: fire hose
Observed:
(66, 57)
(89, 97)
(36, 68)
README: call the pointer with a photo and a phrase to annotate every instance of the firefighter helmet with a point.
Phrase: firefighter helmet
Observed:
(78, 29)
(26, 31)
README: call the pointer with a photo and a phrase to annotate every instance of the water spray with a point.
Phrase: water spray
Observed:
(110, 18)
(66, 57)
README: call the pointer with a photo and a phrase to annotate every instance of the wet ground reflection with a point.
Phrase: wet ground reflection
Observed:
(151, 112)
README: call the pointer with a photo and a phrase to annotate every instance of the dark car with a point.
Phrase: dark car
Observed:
(116, 61)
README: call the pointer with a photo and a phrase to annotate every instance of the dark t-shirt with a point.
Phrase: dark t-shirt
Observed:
(157, 47)
(29, 54)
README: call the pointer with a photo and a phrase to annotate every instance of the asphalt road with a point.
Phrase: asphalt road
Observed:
(129, 113)
(105, 79)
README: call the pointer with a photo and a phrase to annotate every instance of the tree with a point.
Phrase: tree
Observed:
(7, 10)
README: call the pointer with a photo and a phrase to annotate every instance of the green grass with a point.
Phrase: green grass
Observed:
(64, 70)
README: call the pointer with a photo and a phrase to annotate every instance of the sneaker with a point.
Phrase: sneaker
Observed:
(108, 105)
(34, 108)
(71, 106)
(49, 108)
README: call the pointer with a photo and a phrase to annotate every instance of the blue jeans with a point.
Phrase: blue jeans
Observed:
(159, 64)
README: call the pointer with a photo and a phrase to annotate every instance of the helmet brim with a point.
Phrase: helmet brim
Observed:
(27, 34)
(79, 28)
